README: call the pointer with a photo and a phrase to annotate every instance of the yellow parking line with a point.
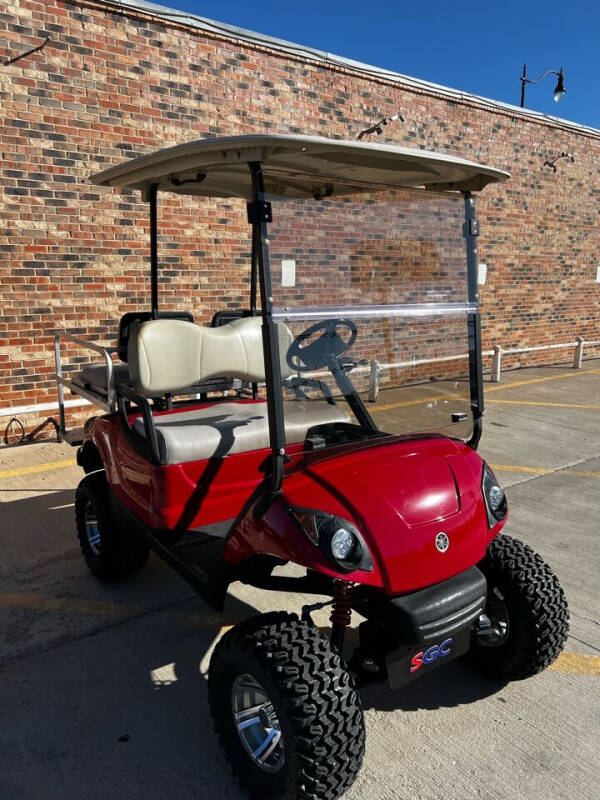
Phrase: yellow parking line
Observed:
(106, 609)
(575, 374)
(207, 621)
(76, 605)
(488, 389)
(536, 403)
(70, 462)
(573, 663)
(576, 664)
(580, 473)
(12, 473)
(515, 468)
(420, 401)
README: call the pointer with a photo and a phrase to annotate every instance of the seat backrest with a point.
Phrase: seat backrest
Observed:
(168, 355)
(228, 315)
(130, 318)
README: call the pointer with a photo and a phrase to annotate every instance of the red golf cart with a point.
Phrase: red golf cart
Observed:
(235, 448)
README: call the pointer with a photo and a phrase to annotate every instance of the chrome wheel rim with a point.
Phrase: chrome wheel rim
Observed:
(494, 626)
(256, 723)
(92, 531)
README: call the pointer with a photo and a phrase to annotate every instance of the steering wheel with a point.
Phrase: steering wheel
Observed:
(322, 351)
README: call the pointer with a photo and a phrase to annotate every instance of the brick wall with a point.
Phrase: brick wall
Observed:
(110, 85)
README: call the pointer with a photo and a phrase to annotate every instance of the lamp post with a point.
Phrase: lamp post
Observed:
(559, 91)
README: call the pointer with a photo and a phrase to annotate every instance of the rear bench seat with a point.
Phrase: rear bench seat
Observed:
(93, 377)
(166, 355)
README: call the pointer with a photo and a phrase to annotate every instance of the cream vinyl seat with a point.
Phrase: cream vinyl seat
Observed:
(166, 355)
(225, 428)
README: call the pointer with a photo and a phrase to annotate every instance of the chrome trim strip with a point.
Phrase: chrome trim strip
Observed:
(373, 311)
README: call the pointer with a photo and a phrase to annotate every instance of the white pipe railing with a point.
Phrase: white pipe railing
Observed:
(35, 408)
(578, 346)
(496, 352)
(374, 368)
(377, 367)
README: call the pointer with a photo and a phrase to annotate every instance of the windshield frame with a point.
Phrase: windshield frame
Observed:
(259, 215)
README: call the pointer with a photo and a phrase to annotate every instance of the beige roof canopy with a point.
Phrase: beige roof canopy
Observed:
(295, 166)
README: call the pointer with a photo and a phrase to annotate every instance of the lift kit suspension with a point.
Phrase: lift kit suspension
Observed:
(341, 612)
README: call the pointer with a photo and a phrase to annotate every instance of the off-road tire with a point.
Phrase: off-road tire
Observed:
(538, 614)
(317, 705)
(120, 554)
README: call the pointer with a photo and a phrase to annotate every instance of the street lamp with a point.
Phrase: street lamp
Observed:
(30, 52)
(559, 91)
(378, 126)
(569, 156)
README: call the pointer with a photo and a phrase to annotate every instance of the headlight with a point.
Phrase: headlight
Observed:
(495, 499)
(343, 543)
(338, 540)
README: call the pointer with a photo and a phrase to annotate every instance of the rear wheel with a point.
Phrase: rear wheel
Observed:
(526, 618)
(286, 711)
(109, 550)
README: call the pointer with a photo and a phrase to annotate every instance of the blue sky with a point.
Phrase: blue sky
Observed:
(474, 45)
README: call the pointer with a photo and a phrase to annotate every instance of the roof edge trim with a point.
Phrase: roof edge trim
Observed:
(174, 15)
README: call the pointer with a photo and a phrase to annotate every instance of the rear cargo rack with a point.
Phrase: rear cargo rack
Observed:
(107, 401)
(99, 385)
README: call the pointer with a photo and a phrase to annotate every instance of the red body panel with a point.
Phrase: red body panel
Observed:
(178, 496)
(400, 493)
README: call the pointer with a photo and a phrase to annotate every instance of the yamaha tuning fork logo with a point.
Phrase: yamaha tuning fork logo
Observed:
(442, 542)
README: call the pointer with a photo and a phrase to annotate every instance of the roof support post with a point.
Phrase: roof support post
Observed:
(152, 198)
(471, 232)
(256, 244)
(259, 215)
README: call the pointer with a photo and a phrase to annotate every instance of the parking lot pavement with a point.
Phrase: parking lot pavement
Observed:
(103, 690)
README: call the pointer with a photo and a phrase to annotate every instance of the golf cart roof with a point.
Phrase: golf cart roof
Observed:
(295, 166)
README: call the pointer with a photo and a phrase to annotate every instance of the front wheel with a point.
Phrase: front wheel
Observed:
(526, 618)
(286, 711)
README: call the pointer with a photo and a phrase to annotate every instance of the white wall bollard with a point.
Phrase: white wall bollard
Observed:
(496, 363)
(578, 354)
(374, 381)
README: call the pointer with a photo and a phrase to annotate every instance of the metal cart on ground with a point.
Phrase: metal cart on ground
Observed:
(234, 448)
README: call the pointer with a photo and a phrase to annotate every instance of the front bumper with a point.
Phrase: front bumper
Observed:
(421, 630)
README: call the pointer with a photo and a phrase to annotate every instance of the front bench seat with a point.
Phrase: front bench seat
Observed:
(226, 428)
(166, 355)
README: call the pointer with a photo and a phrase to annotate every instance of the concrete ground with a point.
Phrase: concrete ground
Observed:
(103, 688)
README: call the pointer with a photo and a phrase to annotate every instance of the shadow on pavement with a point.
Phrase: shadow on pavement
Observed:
(120, 713)
(453, 685)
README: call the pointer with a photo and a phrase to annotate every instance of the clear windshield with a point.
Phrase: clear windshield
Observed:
(382, 282)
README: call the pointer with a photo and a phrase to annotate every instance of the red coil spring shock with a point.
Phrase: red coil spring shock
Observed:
(341, 612)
